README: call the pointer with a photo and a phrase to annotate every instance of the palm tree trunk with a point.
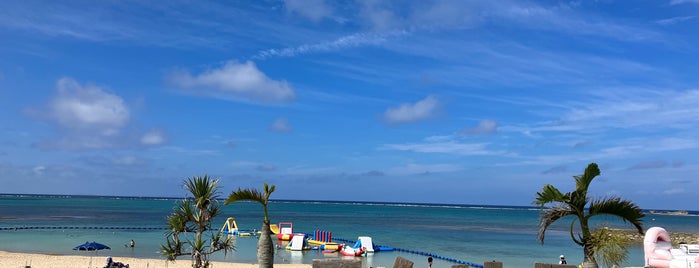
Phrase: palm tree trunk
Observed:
(265, 248)
(590, 261)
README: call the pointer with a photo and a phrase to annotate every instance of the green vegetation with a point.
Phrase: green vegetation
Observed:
(265, 246)
(578, 205)
(193, 216)
(610, 247)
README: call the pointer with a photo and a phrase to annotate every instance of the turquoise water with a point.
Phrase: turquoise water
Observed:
(470, 233)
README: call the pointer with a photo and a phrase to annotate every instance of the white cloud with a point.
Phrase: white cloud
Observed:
(281, 125)
(485, 127)
(39, 170)
(314, 10)
(88, 117)
(413, 112)
(88, 107)
(153, 137)
(235, 81)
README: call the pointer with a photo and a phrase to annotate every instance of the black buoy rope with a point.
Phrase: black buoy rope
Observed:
(347, 241)
(79, 227)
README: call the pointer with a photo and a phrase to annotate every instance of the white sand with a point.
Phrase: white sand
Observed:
(19, 260)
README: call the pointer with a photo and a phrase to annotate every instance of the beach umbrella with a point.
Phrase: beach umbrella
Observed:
(91, 246)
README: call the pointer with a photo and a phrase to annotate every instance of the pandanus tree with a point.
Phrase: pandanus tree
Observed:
(192, 218)
(581, 208)
(265, 246)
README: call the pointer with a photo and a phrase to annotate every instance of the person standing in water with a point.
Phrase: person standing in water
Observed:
(132, 243)
(429, 262)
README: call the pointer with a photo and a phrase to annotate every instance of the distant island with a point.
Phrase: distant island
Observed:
(676, 212)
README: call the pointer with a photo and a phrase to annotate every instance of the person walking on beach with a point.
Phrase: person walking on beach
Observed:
(563, 260)
(429, 262)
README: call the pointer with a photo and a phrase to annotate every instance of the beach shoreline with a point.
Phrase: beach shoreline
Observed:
(21, 260)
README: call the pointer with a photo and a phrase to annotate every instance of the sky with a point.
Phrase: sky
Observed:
(435, 101)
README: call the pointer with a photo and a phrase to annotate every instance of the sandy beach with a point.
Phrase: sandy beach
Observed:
(21, 260)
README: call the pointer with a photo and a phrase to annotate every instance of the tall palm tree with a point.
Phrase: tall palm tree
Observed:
(265, 247)
(575, 204)
(195, 215)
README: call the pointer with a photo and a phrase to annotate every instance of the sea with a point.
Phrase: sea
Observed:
(455, 234)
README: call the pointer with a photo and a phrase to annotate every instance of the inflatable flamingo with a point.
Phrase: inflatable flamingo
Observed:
(659, 253)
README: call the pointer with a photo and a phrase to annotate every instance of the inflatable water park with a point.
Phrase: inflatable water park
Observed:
(324, 241)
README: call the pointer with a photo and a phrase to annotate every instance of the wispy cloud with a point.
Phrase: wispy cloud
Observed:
(654, 109)
(567, 19)
(344, 42)
(315, 10)
(674, 20)
(424, 109)
(445, 147)
(235, 81)
(418, 169)
(281, 125)
(555, 170)
(677, 2)
(485, 127)
(262, 167)
(153, 24)
(653, 164)
(153, 137)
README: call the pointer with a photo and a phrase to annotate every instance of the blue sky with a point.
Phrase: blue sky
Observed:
(470, 102)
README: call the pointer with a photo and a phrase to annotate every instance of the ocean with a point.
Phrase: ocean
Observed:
(469, 233)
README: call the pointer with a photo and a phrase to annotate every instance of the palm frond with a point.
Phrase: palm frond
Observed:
(549, 194)
(582, 182)
(204, 189)
(250, 194)
(268, 190)
(549, 216)
(626, 210)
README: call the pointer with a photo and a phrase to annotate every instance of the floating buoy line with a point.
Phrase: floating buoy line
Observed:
(347, 241)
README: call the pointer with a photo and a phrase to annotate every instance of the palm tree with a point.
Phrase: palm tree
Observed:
(575, 203)
(195, 215)
(265, 247)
